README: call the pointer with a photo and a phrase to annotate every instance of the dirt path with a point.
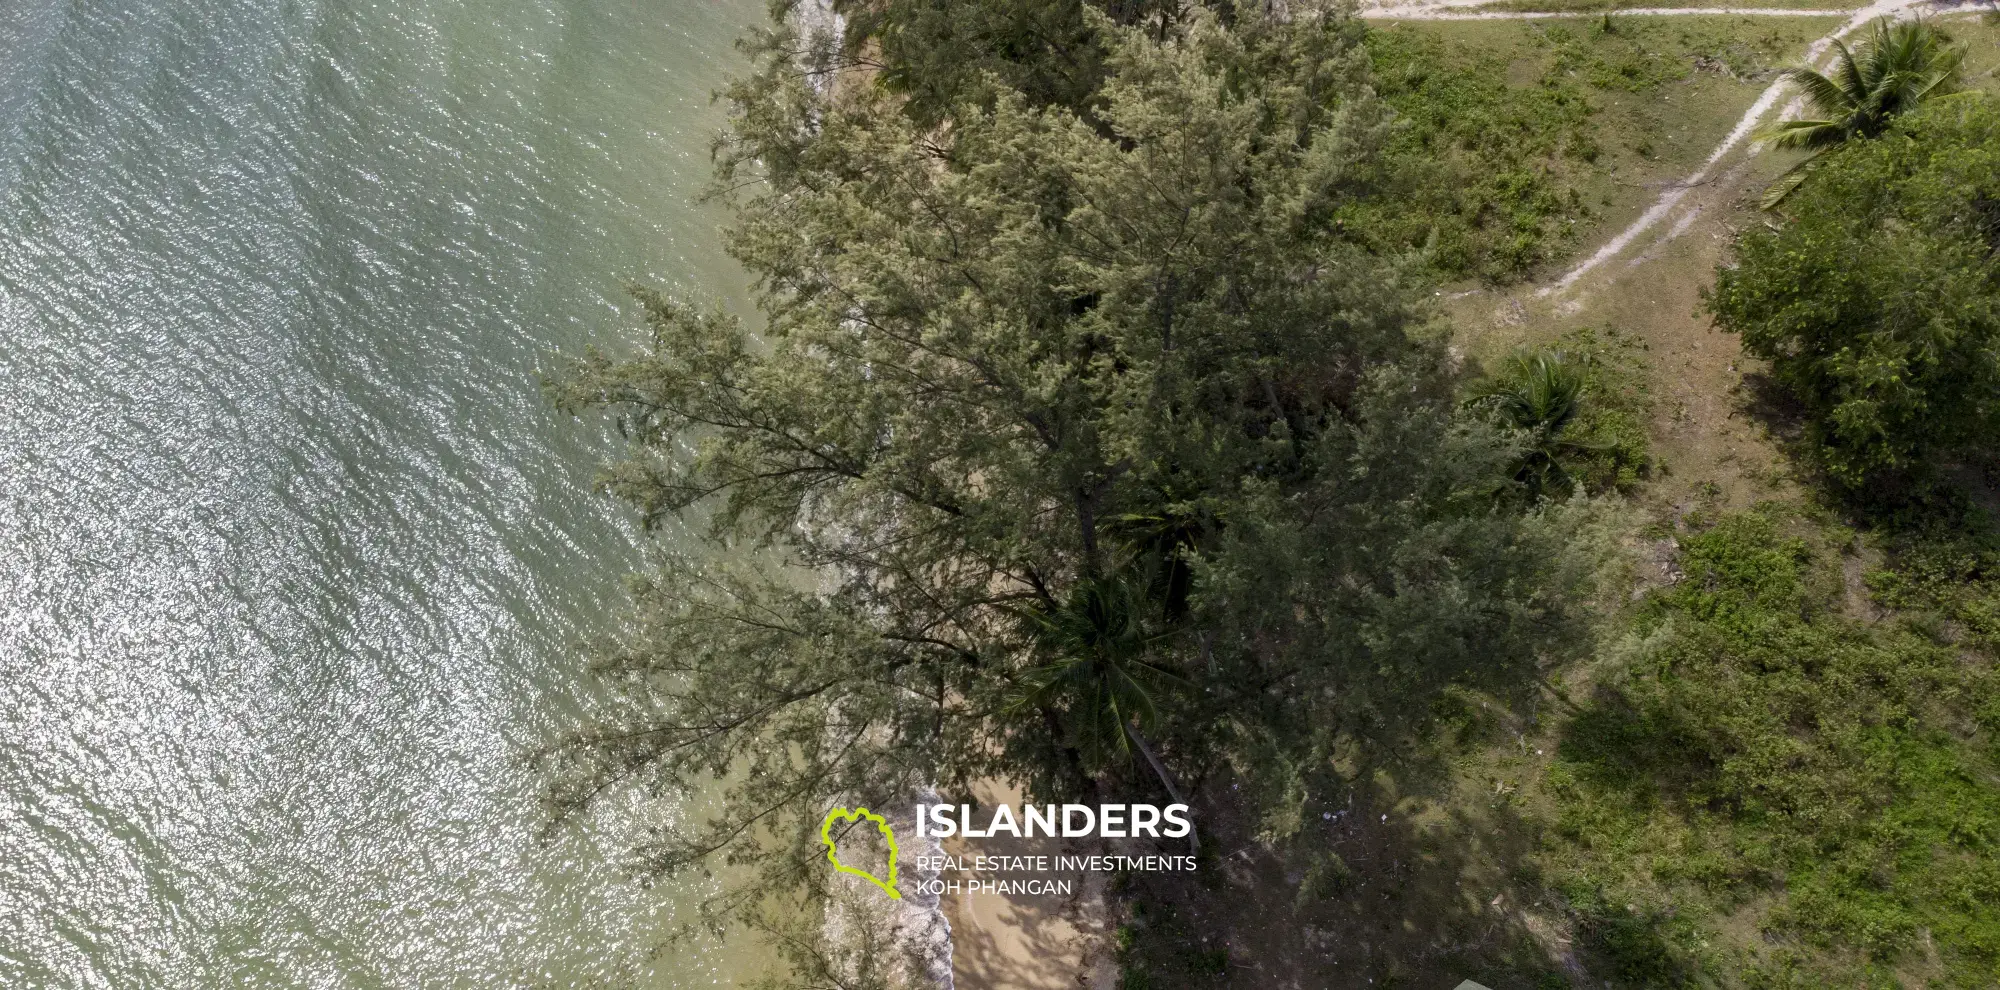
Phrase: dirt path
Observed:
(1445, 10)
(1454, 10)
(1714, 449)
(1672, 197)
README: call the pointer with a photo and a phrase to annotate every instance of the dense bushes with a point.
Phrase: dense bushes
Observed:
(1878, 301)
(1764, 752)
(1477, 170)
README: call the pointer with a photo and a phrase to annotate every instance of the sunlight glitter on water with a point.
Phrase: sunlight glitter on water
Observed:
(297, 556)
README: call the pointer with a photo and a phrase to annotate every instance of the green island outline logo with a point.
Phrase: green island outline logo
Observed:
(881, 825)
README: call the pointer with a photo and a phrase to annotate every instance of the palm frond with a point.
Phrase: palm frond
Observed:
(1854, 79)
(1535, 390)
(1095, 664)
(1897, 67)
(1808, 135)
(1786, 185)
(1828, 97)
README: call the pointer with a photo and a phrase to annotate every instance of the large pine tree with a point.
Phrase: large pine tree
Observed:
(1015, 359)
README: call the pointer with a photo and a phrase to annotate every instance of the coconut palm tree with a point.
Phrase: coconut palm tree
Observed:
(1897, 67)
(1099, 667)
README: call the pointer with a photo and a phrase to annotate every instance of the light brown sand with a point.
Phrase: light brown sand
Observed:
(1028, 941)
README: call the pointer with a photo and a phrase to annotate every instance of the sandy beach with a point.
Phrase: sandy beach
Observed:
(1023, 941)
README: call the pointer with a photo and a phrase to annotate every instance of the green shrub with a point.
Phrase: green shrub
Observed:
(1581, 406)
(1951, 570)
(1878, 301)
(1763, 743)
(1476, 171)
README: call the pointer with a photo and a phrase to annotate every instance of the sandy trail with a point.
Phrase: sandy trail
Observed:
(1672, 197)
(1466, 10)
(1454, 10)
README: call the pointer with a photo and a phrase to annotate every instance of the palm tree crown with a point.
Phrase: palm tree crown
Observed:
(1098, 663)
(1897, 67)
(1539, 393)
(1535, 390)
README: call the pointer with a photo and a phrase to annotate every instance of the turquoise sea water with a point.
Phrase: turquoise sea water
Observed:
(296, 557)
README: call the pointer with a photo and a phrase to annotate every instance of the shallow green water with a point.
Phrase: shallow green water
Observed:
(295, 554)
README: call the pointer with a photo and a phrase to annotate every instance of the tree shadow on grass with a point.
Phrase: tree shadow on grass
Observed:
(1411, 877)
(1402, 867)
(1771, 406)
(1634, 758)
(1365, 896)
(1644, 754)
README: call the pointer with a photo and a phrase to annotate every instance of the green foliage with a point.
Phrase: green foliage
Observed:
(1578, 411)
(1537, 393)
(1485, 173)
(1629, 946)
(1877, 302)
(935, 53)
(1042, 412)
(1095, 395)
(1100, 665)
(1763, 747)
(1326, 876)
(1160, 948)
(1952, 572)
(1476, 173)
(1616, 9)
(1614, 54)
(1213, 962)
(1486, 170)
(1363, 595)
(1899, 66)
(1611, 449)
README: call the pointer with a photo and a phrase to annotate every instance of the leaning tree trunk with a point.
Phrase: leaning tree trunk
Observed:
(1194, 841)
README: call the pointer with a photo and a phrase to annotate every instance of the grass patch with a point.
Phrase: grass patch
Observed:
(1774, 794)
(1980, 34)
(1521, 138)
(1593, 6)
(1610, 450)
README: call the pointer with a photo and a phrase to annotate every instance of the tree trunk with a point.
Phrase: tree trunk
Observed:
(1194, 841)
(1071, 759)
